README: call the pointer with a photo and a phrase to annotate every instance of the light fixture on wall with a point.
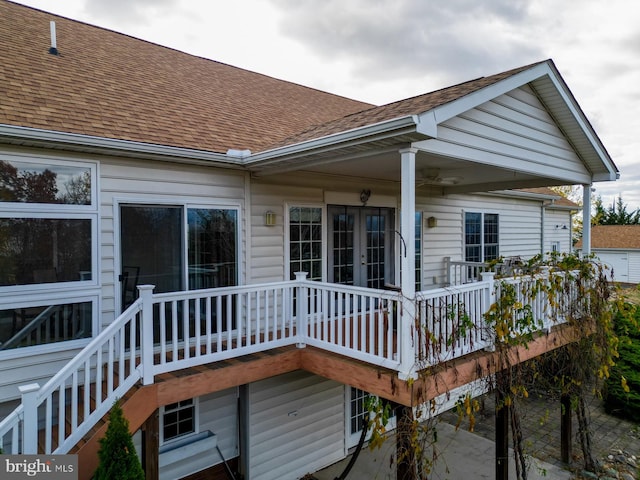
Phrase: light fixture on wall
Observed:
(562, 227)
(364, 196)
(269, 218)
(432, 222)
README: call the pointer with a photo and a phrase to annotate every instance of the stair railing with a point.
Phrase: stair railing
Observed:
(61, 412)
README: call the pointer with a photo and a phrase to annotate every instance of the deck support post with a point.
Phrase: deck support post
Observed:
(302, 294)
(502, 438)
(406, 464)
(407, 251)
(30, 423)
(565, 428)
(146, 342)
(150, 446)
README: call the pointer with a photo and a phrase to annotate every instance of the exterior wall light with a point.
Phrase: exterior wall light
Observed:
(269, 218)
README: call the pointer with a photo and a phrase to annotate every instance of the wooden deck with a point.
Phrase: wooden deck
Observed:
(204, 379)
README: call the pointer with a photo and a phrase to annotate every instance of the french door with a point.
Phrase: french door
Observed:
(361, 246)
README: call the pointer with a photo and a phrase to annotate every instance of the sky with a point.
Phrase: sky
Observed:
(379, 51)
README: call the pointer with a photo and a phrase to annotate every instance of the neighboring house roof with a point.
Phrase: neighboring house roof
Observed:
(620, 237)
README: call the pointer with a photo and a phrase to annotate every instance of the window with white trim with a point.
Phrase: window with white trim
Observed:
(481, 237)
(305, 242)
(48, 251)
(178, 419)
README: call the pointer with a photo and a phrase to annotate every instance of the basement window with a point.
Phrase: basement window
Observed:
(178, 420)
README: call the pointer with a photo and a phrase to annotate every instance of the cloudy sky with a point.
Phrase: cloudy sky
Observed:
(384, 50)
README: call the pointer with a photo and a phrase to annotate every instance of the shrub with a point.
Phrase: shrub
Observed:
(621, 401)
(118, 458)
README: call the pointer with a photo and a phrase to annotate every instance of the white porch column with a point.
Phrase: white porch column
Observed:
(408, 261)
(586, 220)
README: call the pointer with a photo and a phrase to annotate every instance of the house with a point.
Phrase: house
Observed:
(126, 164)
(618, 248)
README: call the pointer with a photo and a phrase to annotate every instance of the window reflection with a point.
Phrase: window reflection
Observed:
(26, 182)
(44, 250)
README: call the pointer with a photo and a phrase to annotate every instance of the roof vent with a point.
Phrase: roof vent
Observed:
(53, 50)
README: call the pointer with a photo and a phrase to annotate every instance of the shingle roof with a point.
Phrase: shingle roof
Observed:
(410, 106)
(111, 85)
(615, 236)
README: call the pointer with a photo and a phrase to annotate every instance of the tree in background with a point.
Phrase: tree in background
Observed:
(615, 214)
(118, 458)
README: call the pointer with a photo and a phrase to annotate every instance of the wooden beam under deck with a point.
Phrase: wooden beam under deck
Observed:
(197, 381)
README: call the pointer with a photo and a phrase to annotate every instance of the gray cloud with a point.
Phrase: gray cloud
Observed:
(456, 40)
(128, 11)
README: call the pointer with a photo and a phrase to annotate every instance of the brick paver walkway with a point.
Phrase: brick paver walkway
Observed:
(541, 429)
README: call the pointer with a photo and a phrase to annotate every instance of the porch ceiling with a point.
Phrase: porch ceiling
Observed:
(434, 173)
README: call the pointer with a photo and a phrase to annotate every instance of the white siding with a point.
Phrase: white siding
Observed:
(514, 131)
(634, 266)
(218, 414)
(557, 229)
(519, 229)
(296, 424)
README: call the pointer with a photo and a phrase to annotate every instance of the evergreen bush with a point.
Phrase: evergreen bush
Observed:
(621, 401)
(118, 458)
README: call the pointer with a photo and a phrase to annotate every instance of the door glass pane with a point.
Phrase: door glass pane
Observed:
(151, 246)
(343, 245)
(212, 247)
(44, 250)
(375, 250)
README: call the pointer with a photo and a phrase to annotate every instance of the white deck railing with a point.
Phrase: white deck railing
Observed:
(170, 331)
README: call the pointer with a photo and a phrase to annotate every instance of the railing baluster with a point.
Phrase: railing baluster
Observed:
(208, 325)
(197, 328)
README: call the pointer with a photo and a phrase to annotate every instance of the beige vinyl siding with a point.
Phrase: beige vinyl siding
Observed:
(514, 131)
(634, 266)
(156, 182)
(296, 426)
(519, 229)
(267, 242)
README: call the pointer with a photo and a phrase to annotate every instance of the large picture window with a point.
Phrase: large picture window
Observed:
(481, 237)
(48, 252)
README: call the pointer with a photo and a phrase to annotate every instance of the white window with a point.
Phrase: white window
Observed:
(305, 242)
(480, 237)
(48, 251)
(178, 420)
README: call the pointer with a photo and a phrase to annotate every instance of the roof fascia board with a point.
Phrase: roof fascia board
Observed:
(447, 111)
(585, 125)
(472, 100)
(109, 145)
(407, 124)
